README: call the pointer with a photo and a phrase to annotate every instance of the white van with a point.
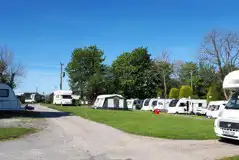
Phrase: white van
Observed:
(62, 97)
(214, 107)
(8, 99)
(227, 123)
(186, 105)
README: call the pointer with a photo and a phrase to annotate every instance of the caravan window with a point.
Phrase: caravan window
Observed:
(146, 103)
(182, 105)
(154, 103)
(199, 104)
(4, 92)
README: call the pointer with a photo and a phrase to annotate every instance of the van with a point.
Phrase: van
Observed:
(62, 97)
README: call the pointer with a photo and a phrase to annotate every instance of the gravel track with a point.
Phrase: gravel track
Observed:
(74, 138)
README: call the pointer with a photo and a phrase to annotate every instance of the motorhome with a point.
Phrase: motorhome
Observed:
(186, 105)
(62, 97)
(134, 104)
(227, 123)
(214, 108)
(8, 100)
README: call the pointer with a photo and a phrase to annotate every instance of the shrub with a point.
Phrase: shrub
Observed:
(174, 93)
(185, 92)
(213, 94)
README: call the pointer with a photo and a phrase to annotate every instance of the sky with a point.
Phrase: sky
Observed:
(41, 34)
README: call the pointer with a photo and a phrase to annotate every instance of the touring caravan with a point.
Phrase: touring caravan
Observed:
(186, 105)
(8, 99)
(161, 104)
(227, 123)
(111, 101)
(134, 104)
(62, 97)
(214, 108)
(147, 106)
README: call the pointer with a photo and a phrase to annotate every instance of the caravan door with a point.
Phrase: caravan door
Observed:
(8, 100)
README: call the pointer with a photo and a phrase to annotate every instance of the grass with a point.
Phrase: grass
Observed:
(12, 133)
(148, 124)
(231, 158)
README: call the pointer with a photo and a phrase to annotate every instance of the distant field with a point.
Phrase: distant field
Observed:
(12, 133)
(231, 158)
(148, 124)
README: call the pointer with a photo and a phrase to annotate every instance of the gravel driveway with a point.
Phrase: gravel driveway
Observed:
(74, 138)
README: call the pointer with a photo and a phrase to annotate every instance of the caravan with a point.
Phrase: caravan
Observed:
(227, 123)
(62, 97)
(151, 104)
(186, 105)
(214, 107)
(8, 99)
(134, 104)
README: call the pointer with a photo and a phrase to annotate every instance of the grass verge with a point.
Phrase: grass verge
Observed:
(230, 158)
(146, 123)
(12, 133)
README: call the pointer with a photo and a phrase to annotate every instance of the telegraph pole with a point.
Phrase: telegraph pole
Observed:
(61, 64)
(191, 79)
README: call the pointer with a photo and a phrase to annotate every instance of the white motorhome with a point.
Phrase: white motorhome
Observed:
(110, 101)
(185, 105)
(214, 108)
(227, 123)
(8, 99)
(62, 97)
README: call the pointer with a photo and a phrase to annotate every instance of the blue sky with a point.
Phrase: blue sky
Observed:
(43, 33)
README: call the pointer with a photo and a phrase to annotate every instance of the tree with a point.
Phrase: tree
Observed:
(174, 93)
(84, 67)
(134, 72)
(185, 92)
(221, 49)
(213, 94)
(165, 69)
(188, 74)
(10, 70)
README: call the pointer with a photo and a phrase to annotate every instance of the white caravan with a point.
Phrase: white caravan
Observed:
(151, 104)
(62, 97)
(110, 101)
(146, 105)
(31, 99)
(8, 99)
(227, 123)
(134, 104)
(214, 107)
(186, 105)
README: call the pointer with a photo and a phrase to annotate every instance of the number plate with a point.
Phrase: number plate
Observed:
(229, 133)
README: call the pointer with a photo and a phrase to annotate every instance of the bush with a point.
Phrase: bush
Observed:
(213, 94)
(185, 92)
(49, 99)
(174, 93)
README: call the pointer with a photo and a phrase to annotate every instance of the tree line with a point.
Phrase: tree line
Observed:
(136, 74)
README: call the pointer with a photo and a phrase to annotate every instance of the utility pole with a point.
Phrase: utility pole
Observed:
(61, 64)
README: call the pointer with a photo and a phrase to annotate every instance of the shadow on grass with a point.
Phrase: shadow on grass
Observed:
(32, 114)
(229, 141)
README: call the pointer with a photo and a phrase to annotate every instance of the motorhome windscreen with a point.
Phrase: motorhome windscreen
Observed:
(146, 103)
(233, 103)
(4, 92)
(173, 103)
(66, 97)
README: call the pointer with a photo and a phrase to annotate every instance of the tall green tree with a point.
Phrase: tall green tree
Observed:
(83, 70)
(174, 93)
(185, 92)
(213, 94)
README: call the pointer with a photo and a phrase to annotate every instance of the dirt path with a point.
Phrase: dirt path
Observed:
(74, 138)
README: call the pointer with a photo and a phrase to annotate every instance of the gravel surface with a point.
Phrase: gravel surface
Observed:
(74, 138)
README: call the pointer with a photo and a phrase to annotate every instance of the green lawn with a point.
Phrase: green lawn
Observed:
(231, 158)
(12, 133)
(148, 124)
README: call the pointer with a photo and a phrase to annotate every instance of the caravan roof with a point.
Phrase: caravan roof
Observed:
(231, 81)
(63, 92)
(109, 95)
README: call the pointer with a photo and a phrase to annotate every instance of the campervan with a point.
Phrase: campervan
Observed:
(214, 107)
(134, 104)
(186, 105)
(227, 123)
(8, 99)
(110, 101)
(62, 97)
